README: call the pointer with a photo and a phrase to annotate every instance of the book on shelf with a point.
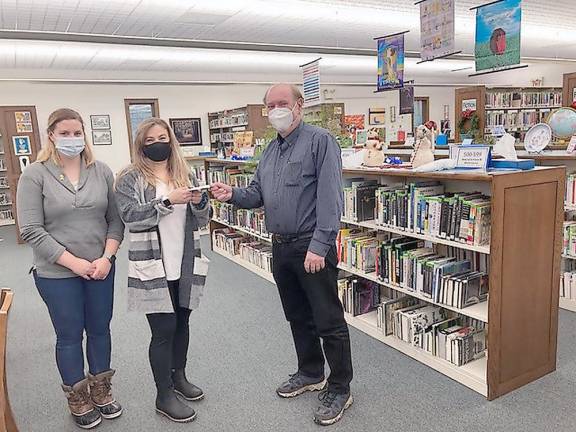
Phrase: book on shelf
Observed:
(445, 275)
(244, 246)
(568, 280)
(437, 331)
(425, 208)
(252, 220)
(524, 98)
(359, 199)
(569, 238)
(359, 296)
(570, 193)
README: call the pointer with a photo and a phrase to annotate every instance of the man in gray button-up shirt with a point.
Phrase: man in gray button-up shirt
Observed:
(299, 183)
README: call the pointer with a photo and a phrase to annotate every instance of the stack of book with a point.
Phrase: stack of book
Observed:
(456, 339)
(425, 208)
(257, 253)
(569, 246)
(515, 120)
(229, 240)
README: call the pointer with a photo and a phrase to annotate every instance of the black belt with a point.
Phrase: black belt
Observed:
(290, 238)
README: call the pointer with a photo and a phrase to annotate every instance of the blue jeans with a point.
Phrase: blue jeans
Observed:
(77, 305)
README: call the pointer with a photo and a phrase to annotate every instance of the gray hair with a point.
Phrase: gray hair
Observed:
(296, 93)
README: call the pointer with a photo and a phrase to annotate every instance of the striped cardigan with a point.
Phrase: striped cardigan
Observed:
(141, 212)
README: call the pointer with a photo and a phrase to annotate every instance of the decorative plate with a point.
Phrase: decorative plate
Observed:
(538, 137)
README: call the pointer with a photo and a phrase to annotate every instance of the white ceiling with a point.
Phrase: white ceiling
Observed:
(548, 27)
(547, 33)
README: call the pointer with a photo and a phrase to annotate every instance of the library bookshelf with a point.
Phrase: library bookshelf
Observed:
(560, 158)
(525, 255)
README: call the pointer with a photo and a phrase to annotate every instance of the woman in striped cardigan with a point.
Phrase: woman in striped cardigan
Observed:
(166, 272)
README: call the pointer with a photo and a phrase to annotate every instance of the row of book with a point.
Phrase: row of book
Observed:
(199, 172)
(252, 220)
(244, 246)
(422, 208)
(569, 244)
(222, 137)
(231, 175)
(570, 197)
(454, 277)
(516, 119)
(438, 332)
(511, 99)
(568, 284)
(360, 296)
(234, 120)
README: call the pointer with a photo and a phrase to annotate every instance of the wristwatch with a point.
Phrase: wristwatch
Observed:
(166, 202)
(111, 258)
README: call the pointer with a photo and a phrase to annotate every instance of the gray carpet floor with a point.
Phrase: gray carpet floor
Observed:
(241, 349)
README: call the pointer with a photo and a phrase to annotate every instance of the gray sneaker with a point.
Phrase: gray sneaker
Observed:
(331, 408)
(298, 384)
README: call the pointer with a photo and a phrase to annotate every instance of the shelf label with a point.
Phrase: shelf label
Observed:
(473, 157)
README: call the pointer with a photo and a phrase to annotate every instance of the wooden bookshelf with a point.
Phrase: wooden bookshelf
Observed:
(525, 256)
(246, 118)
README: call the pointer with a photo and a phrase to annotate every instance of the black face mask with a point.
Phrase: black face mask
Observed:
(158, 151)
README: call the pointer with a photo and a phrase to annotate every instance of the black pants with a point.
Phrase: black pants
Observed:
(170, 338)
(312, 306)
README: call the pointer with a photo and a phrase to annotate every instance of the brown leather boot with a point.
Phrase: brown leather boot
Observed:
(81, 407)
(101, 394)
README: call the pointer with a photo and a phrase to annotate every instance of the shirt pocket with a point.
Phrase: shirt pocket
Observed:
(293, 173)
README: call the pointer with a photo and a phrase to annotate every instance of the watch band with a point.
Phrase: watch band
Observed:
(166, 202)
(111, 258)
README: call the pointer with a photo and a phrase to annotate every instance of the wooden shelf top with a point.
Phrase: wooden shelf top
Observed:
(195, 158)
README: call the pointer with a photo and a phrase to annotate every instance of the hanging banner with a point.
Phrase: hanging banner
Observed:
(311, 80)
(436, 29)
(407, 100)
(391, 62)
(498, 34)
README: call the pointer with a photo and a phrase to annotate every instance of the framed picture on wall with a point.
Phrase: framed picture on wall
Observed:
(187, 131)
(103, 137)
(377, 116)
(22, 145)
(100, 122)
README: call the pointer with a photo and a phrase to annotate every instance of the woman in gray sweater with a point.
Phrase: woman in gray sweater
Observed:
(67, 213)
(166, 270)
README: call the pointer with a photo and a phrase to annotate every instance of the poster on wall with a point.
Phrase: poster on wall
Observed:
(498, 34)
(139, 113)
(22, 145)
(353, 123)
(23, 122)
(406, 100)
(391, 62)
(436, 29)
(101, 137)
(187, 131)
(311, 82)
(377, 116)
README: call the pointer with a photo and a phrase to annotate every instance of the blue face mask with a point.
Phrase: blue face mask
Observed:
(70, 147)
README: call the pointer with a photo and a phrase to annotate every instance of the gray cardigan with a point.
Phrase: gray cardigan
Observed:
(147, 286)
(54, 217)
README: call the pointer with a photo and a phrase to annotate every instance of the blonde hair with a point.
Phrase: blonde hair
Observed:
(178, 169)
(49, 151)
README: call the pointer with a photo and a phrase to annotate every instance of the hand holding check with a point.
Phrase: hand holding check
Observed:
(222, 192)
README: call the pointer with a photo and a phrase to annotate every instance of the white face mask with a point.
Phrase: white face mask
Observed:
(70, 147)
(281, 118)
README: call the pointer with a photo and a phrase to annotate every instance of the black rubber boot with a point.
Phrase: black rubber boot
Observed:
(185, 388)
(168, 404)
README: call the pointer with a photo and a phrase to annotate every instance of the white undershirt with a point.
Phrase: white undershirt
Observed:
(172, 228)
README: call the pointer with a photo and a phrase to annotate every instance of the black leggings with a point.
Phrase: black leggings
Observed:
(170, 338)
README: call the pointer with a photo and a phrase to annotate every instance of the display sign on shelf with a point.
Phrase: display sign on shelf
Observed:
(473, 157)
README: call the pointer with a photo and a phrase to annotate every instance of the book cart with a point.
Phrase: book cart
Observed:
(521, 313)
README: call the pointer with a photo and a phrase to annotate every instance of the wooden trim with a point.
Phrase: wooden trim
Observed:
(426, 114)
(521, 351)
(568, 88)
(478, 93)
(127, 103)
